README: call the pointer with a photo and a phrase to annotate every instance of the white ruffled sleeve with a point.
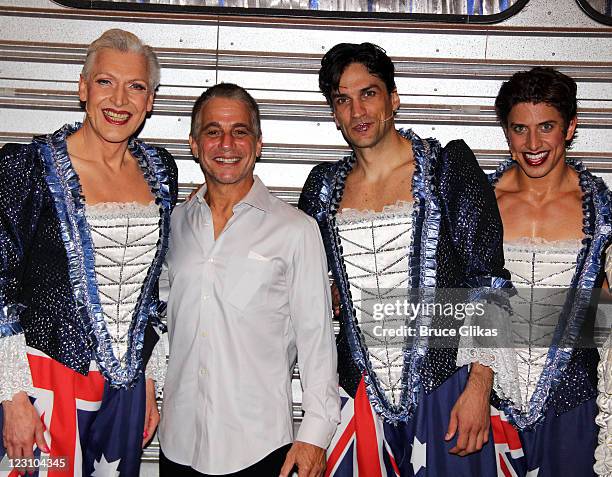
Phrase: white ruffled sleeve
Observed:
(603, 453)
(14, 368)
(502, 361)
(157, 365)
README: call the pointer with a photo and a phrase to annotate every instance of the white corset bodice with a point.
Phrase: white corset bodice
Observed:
(548, 267)
(375, 251)
(125, 238)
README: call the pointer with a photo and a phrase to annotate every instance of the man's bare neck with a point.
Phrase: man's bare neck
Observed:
(377, 163)
(85, 145)
(557, 183)
(223, 197)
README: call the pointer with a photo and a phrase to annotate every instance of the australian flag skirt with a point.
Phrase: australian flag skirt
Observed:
(91, 429)
(364, 445)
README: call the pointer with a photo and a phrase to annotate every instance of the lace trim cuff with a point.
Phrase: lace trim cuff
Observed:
(603, 453)
(503, 363)
(14, 368)
(156, 367)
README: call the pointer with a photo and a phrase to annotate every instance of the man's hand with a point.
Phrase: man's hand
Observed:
(471, 413)
(151, 413)
(22, 428)
(309, 459)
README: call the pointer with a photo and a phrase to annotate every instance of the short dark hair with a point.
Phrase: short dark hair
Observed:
(229, 91)
(335, 61)
(538, 85)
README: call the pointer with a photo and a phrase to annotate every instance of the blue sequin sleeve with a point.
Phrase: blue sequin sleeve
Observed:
(470, 209)
(21, 196)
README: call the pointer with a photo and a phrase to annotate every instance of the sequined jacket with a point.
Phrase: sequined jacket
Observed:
(570, 375)
(457, 242)
(48, 288)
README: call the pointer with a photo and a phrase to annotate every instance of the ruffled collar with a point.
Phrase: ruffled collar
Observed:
(576, 305)
(66, 192)
(422, 271)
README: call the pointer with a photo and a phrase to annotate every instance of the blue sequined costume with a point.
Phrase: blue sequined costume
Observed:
(557, 432)
(47, 281)
(456, 242)
(49, 293)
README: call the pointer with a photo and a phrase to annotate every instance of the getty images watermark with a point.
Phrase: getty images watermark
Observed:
(487, 318)
(409, 311)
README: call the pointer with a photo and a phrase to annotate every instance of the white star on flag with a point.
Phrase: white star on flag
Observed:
(4, 464)
(103, 468)
(419, 455)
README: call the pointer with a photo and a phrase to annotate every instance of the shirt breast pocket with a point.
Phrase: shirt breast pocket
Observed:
(247, 282)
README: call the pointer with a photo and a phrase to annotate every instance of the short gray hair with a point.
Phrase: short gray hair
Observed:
(125, 42)
(228, 91)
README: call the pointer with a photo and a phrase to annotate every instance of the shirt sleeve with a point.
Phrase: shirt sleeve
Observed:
(20, 204)
(473, 219)
(310, 308)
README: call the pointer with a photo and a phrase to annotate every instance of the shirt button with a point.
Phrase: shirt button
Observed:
(203, 371)
(203, 334)
(204, 297)
(211, 260)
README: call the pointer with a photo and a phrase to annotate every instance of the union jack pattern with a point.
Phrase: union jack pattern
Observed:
(96, 431)
(366, 446)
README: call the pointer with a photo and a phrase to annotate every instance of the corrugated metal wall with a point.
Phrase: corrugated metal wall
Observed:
(447, 77)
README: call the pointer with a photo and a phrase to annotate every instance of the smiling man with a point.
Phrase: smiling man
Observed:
(556, 230)
(401, 213)
(248, 292)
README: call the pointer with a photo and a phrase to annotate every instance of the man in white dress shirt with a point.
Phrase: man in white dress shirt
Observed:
(248, 293)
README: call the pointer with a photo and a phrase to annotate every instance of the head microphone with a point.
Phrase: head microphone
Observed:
(387, 119)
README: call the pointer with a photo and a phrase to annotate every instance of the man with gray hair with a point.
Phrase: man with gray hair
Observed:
(84, 223)
(248, 294)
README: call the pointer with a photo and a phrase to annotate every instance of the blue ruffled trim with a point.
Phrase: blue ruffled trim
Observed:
(426, 210)
(597, 235)
(65, 189)
(426, 221)
(156, 313)
(488, 282)
(491, 289)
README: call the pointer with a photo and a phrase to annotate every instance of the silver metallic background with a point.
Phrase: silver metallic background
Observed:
(459, 7)
(447, 75)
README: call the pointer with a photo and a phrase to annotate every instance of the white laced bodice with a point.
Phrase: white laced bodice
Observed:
(375, 250)
(543, 265)
(533, 264)
(125, 239)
